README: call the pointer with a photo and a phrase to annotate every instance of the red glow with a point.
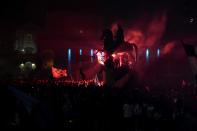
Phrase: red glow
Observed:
(113, 55)
(123, 58)
(134, 36)
(125, 54)
(147, 34)
(156, 30)
(61, 82)
(168, 48)
(58, 73)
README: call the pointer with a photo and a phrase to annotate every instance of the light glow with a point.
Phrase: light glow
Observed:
(58, 73)
(21, 66)
(158, 52)
(80, 51)
(91, 52)
(147, 54)
(69, 56)
(33, 66)
(101, 57)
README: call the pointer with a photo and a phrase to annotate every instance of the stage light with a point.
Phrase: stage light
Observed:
(158, 52)
(69, 52)
(147, 55)
(80, 51)
(69, 61)
(69, 55)
(91, 52)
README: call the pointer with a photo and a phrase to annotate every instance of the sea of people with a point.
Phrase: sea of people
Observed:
(89, 106)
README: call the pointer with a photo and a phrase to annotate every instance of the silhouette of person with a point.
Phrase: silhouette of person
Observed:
(83, 77)
(119, 36)
(107, 38)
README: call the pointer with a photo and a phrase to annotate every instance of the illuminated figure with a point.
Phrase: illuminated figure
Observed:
(118, 54)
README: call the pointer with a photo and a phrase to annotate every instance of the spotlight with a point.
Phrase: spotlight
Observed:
(158, 52)
(91, 52)
(147, 54)
(80, 51)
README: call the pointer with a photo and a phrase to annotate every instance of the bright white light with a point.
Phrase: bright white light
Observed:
(21, 66)
(147, 54)
(80, 51)
(91, 52)
(113, 55)
(158, 52)
(69, 56)
(100, 57)
(33, 66)
(23, 51)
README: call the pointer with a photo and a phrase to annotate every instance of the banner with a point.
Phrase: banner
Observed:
(58, 73)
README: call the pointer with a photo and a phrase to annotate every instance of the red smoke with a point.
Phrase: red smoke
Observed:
(134, 36)
(168, 48)
(156, 30)
(148, 35)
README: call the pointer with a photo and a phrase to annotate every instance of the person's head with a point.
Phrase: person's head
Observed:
(107, 34)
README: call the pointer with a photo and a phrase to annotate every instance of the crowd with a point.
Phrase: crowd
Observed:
(85, 106)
